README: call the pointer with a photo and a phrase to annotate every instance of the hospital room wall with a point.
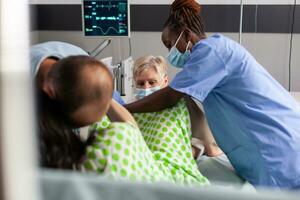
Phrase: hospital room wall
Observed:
(271, 50)
(266, 30)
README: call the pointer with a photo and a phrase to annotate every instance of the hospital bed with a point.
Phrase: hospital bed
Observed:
(56, 185)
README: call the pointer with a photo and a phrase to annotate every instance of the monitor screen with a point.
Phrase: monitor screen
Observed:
(105, 18)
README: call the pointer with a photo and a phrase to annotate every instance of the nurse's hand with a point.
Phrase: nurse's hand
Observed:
(210, 150)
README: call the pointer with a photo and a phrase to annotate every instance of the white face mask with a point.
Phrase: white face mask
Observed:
(141, 93)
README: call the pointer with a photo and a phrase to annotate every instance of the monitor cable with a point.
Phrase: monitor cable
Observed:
(291, 45)
(241, 21)
(130, 47)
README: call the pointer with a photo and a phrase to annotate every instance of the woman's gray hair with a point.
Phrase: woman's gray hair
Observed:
(146, 62)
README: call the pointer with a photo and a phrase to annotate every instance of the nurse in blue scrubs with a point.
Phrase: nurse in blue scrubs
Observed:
(254, 119)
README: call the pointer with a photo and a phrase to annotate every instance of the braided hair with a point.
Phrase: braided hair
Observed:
(185, 14)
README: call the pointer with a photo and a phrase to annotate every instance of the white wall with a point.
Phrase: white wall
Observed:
(271, 50)
(143, 43)
(296, 64)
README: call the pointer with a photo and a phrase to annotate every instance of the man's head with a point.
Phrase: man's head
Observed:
(82, 86)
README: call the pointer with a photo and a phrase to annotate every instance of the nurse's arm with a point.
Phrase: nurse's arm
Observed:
(164, 98)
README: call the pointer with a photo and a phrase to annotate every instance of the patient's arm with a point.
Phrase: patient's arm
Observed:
(117, 113)
(201, 130)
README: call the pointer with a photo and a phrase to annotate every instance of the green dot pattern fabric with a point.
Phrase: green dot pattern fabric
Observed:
(167, 134)
(159, 151)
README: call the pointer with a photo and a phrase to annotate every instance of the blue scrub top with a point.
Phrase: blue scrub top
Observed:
(253, 118)
(57, 49)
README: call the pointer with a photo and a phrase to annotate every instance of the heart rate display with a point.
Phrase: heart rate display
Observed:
(105, 18)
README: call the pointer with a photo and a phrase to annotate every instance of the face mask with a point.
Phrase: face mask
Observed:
(176, 58)
(141, 93)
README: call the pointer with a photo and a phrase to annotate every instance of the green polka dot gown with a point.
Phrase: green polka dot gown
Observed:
(161, 153)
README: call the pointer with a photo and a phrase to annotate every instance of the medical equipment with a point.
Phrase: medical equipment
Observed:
(100, 48)
(106, 18)
(241, 21)
(122, 76)
(124, 79)
(110, 18)
(291, 45)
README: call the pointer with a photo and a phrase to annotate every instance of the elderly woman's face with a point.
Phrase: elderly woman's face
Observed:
(149, 78)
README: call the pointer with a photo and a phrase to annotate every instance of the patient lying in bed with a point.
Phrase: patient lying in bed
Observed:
(116, 148)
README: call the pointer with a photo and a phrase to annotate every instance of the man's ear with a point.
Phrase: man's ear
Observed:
(48, 88)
